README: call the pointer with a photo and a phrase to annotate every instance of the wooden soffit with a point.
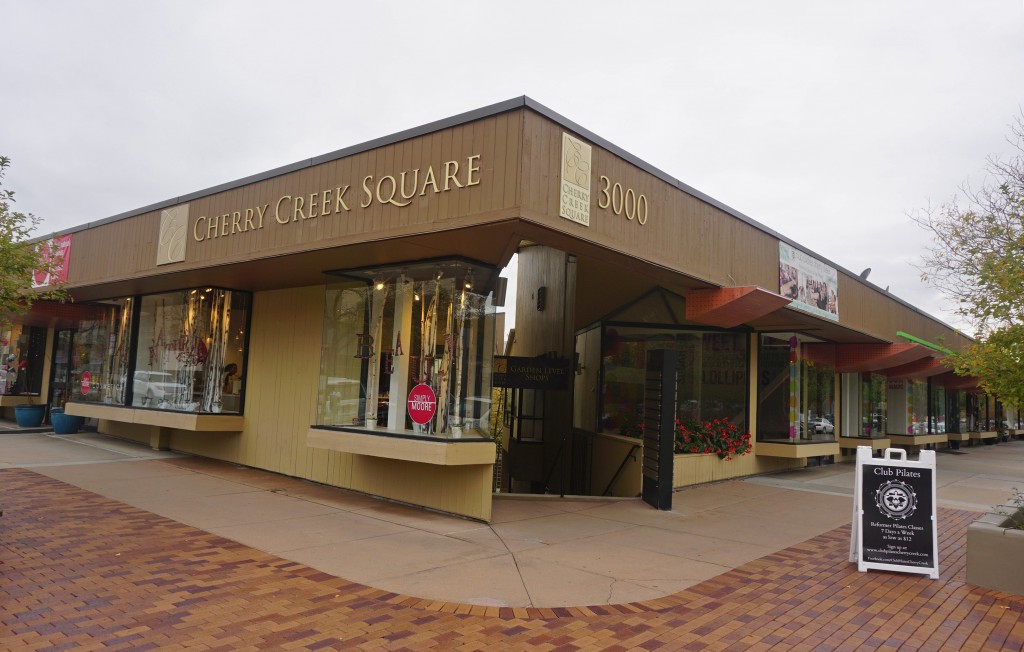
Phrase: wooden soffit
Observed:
(951, 381)
(923, 368)
(864, 357)
(53, 314)
(730, 307)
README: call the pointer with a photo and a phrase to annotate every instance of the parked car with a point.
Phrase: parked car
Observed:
(822, 426)
(149, 388)
(476, 414)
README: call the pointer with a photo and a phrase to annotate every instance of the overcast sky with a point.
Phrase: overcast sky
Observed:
(826, 121)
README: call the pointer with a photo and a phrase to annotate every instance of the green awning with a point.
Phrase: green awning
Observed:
(918, 340)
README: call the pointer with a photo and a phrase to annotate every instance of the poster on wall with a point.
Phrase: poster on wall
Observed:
(894, 525)
(810, 284)
(59, 250)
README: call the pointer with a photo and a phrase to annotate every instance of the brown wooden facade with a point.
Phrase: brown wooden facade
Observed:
(477, 186)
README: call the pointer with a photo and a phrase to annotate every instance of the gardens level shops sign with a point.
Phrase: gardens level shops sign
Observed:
(531, 373)
(894, 527)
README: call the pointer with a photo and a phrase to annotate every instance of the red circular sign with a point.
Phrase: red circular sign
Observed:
(422, 404)
(86, 382)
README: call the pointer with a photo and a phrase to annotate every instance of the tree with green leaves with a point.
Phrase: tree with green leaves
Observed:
(20, 258)
(977, 259)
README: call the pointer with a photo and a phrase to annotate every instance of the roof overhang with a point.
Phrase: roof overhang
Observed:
(863, 358)
(951, 381)
(923, 368)
(730, 307)
(53, 314)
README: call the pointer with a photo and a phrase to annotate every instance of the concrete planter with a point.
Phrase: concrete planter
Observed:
(995, 551)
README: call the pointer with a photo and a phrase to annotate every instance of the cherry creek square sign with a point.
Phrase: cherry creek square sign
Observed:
(399, 189)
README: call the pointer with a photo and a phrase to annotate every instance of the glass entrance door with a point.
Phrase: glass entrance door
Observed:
(62, 365)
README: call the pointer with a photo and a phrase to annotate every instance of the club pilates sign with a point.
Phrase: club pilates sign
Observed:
(397, 189)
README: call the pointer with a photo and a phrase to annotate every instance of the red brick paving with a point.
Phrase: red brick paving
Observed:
(80, 571)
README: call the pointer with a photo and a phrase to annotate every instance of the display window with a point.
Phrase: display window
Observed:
(408, 349)
(96, 370)
(21, 359)
(873, 405)
(711, 377)
(191, 351)
(917, 407)
(796, 389)
(937, 412)
(956, 412)
(973, 413)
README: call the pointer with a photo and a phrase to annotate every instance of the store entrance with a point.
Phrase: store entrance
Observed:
(63, 364)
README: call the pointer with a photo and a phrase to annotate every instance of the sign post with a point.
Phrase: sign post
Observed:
(894, 525)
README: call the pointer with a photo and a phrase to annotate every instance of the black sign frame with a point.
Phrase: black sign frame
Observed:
(542, 372)
(894, 519)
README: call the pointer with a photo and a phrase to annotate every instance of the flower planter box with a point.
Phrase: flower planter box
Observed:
(698, 468)
(995, 549)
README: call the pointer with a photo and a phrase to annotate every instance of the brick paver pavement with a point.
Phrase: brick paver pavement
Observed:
(80, 571)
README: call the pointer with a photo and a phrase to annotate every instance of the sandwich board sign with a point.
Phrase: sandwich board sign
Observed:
(894, 526)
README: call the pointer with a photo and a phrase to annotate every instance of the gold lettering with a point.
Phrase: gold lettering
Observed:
(449, 175)
(195, 229)
(211, 227)
(325, 202)
(277, 209)
(604, 203)
(262, 210)
(366, 189)
(394, 189)
(249, 213)
(224, 223)
(297, 209)
(235, 219)
(339, 199)
(313, 198)
(428, 179)
(415, 180)
(471, 170)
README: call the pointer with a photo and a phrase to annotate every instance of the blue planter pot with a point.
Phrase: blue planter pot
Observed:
(65, 424)
(29, 416)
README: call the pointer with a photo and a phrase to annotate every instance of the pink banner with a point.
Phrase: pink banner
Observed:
(60, 249)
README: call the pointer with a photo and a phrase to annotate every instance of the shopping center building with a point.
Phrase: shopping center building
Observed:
(340, 319)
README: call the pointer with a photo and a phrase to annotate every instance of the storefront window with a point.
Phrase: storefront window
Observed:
(21, 360)
(873, 405)
(796, 389)
(973, 413)
(937, 414)
(956, 412)
(98, 363)
(711, 376)
(426, 327)
(917, 407)
(191, 351)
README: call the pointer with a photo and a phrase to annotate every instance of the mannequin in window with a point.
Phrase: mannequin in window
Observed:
(230, 371)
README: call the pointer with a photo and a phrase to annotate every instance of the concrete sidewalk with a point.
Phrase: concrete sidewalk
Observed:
(539, 552)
